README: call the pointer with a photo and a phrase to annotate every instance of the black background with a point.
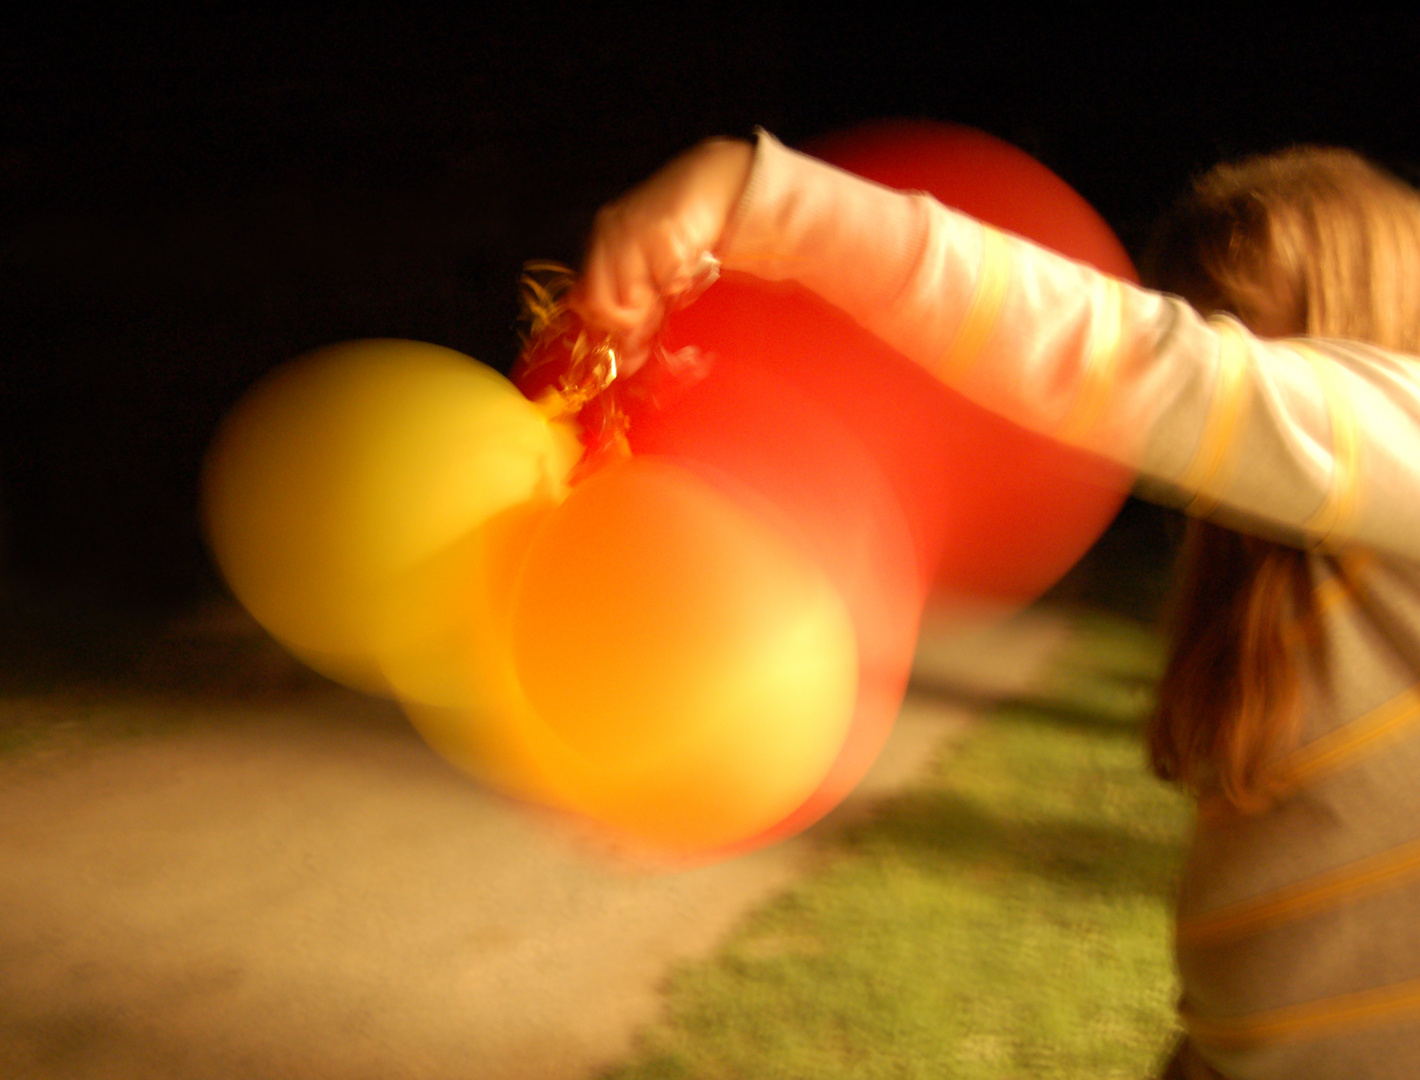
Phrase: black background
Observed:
(185, 204)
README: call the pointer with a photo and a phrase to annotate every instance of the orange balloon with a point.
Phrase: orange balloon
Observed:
(698, 670)
(459, 687)
(747, 427)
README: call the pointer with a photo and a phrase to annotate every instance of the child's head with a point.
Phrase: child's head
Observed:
(1310, 241)
(1307, 241)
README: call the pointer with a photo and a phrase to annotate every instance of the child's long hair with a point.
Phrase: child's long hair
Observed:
(1307, 241)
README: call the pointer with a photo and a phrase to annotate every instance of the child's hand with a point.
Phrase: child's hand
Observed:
(657, 242)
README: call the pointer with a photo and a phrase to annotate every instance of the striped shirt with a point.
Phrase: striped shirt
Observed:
(1298, 934)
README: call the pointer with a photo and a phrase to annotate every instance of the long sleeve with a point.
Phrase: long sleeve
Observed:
(1309, 441)
(1298, 950)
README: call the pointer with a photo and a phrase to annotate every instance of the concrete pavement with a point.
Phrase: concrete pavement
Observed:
(294, 885)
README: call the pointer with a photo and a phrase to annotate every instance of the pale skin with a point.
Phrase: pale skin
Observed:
(649, 246)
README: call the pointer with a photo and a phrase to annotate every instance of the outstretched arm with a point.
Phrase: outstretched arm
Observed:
(1307, 441)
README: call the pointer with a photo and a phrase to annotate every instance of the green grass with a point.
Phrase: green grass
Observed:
(1007, 918)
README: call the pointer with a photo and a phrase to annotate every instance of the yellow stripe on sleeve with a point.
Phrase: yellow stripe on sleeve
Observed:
(1221, 424)
(1100, 366)
(1339, 509)
(1364, 877)
(984, 311)
(1331, 594)
(1346, 1012)
(1334, 751)
(1341, 588)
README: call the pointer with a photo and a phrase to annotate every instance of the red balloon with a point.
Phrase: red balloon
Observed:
(887, 478)
(983, 176)
(1015, 509)
(828, 422)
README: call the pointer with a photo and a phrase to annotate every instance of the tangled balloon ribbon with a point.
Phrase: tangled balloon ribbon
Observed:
(571, 370)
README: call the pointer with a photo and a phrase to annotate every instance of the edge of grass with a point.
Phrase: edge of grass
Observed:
(1007, 916)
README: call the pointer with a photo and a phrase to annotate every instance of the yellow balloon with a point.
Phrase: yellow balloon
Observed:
(341, 490)
(691, 673)
(643, 650)
(459, 687)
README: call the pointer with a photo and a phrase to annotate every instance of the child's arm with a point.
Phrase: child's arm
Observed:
(1306, 441)
(655, 243)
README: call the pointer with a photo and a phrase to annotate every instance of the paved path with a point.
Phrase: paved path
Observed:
(295, 886)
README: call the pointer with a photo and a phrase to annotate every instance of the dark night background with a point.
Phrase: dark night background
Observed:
(183, 206)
